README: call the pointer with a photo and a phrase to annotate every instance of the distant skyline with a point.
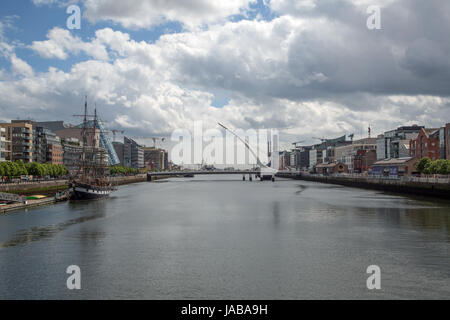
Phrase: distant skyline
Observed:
(308, 68)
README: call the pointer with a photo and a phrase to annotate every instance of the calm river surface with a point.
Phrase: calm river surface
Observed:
(222, 238)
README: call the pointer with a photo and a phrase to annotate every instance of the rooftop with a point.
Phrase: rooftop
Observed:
(393, 161)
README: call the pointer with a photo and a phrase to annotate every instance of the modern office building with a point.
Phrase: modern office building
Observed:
(119, 148)
(396, 143)
(325, 151)
(133, 154)
(19, 140)
(53, 125)
(444, 142)
(72, 157)
(315, 156)
(47, 146)
(301, 157)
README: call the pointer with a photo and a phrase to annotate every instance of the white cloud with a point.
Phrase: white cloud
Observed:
(20, 67)
(61, 43)
(5, 48)
(54, 2)
(144, 14)
(305, 7)
(307, 75)
(44, 2)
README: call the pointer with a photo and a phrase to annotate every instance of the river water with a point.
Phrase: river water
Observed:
(221, 238)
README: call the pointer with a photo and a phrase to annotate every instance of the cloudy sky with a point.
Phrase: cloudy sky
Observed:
(310, 68)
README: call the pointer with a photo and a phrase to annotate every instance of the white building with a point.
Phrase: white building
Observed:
(312, 158)
(3, 143)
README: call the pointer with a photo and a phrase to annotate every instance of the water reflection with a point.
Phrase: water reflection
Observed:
(33, 234)
(301, 189)
(276, 213)
(203, 238)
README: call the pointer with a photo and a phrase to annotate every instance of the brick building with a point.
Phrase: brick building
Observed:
(426, 144)
(394, 167)
(358, 156)
(155, 158)
(331, 168)
(55, 154)
(363, 160)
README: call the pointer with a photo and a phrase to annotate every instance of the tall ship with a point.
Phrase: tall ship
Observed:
(91, 181)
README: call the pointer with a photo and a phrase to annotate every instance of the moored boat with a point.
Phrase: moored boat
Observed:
(91, 181)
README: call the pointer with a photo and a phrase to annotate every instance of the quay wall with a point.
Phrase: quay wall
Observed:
(151, 178)
(437, 190)
(52, 187)
(30, 204)
(24, 186)
(129, 179)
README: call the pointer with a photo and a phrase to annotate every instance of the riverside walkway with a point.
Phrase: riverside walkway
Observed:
(432, 186)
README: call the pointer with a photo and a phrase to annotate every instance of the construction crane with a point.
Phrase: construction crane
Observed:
(351, 136)
(155, 139)
(114, 132)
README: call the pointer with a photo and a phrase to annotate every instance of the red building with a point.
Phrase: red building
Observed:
(331, 168)
(55, 154)
(425, 145)
(363, 160)
(446, 140)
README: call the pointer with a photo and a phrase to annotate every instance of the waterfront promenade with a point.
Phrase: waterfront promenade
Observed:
(433, 186)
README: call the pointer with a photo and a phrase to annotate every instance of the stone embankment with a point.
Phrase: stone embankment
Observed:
(431, 187)
(50, 189)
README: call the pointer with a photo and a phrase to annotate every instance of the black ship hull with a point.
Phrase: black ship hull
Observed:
(85, 192)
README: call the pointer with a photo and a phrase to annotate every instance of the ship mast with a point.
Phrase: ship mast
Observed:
(85, 141)
(96, 154)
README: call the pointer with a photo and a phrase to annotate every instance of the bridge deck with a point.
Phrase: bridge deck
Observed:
(182, 173)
